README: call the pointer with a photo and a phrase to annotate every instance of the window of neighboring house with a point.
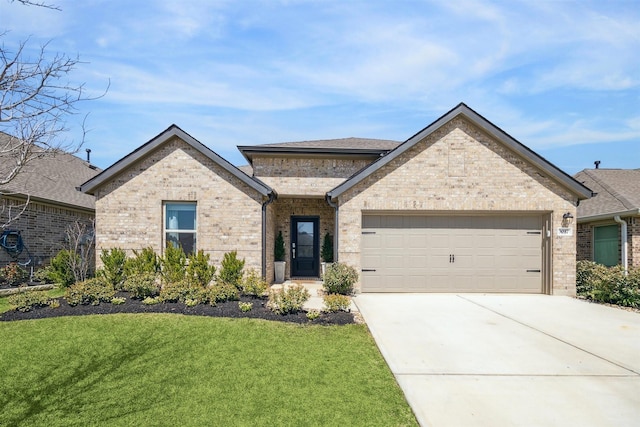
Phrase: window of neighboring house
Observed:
(180, 225)
(606, 245)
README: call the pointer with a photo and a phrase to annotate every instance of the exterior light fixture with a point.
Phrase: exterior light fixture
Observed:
(567, 219)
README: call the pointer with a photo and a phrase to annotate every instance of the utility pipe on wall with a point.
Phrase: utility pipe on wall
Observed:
(623, 242)
(271, 198)
(336, 227)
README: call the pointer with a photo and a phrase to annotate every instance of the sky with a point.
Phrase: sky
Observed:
(561, 77)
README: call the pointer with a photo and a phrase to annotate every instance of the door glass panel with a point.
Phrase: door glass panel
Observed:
(305, 239)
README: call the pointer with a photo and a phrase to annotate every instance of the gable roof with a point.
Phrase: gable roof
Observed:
(463, 110)
(616, 192)
(172, 131)
(342, 146)
(52, 178)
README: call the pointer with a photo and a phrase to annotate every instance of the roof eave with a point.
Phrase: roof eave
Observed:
(611, 215)
(581, 191)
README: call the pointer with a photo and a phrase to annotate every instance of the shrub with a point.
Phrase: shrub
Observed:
(313, 314)
(113, 261)
(13, 274)
(118, 300)
(199, 270)
(339, 278)
(25, 301)
(173, 264)
(91, 291)
(221, 292)
(54, 303)
(327, 248)
(245, 306)
(278, 249)
(151, 300)
(191, 302)
(142, 285)
(336, 302)
(145, 261)
(61, 268)
(182, 291)
(43, 275)
(231, 269)
(253, 284)
(287, 300)
(608, 284)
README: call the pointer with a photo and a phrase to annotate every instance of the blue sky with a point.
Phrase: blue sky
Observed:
(562, 77)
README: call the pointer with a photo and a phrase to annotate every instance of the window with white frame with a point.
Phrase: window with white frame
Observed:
(180, 225)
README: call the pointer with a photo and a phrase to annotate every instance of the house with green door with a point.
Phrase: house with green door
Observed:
(608, 223)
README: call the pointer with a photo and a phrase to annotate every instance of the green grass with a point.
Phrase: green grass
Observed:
(162, 369)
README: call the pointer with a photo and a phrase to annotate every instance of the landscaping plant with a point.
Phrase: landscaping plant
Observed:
(199, 270)
(336, 302)
(231, 270)
(289, 299)
(253, 284)
(145, 261)
(608, 284)
(278, 249)
(174, 264)
(13, 274)
(112, 271)
(25, 301)
(142, 285)
(60, 268)
(181, 291)
(91, 291)
(327, 248)
(339, 278)
(221, 292)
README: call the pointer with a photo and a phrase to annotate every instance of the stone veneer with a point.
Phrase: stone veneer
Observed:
(43, 228)
(461, 169)
(130, 206)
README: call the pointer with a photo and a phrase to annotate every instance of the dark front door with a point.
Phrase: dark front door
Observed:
(304, 246)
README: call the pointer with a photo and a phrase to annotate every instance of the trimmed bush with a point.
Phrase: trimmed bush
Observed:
(91, 291)
(174, 264)
(608, 284)
(60, 268)
(336, 302)
(13, 274)
(288, 300)
(339, 278)
(231, 270)
(145, 261)
(221, 292)
(278, 248)
(199, 270)
(25, 301)
(142, 285)
(112, 271)
(182, 291)
(253, 284)
(327, 248)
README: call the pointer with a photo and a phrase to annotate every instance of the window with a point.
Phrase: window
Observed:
(180, 226)
(605, 245)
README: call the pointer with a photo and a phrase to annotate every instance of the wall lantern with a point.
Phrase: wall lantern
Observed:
(567, 219)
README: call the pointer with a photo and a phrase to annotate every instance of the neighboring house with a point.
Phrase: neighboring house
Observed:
(460, 206)
(609, 222)
(48, 187)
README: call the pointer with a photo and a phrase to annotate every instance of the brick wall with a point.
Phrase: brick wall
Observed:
(633, 233)
(43, 228)
(584, 242)
(130, 207)
(460, 168)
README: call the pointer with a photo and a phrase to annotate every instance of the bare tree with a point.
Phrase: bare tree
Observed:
(81, 244)
(36, 98)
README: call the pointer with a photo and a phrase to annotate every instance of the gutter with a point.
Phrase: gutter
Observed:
(271, 199)
(632, 212)
(624, 245)
(336, 226)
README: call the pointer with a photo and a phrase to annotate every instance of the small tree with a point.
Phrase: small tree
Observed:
(231, 270)
(113, 261)
(327, 248)
(278, 250)
(174, 264)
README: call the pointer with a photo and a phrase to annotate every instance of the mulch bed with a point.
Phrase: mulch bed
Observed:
(222, 309)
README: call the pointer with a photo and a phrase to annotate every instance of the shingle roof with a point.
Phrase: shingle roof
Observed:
(617, 192)
(344, 143)
(53, 178)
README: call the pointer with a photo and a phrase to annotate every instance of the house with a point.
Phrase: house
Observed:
(609, 223)
(460, 206)
(44, 195)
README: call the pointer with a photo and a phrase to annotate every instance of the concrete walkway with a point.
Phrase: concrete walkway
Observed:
(509, 360)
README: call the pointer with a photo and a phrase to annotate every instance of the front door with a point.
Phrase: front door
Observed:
(304, 246)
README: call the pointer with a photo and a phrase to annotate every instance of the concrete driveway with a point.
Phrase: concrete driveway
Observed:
(509, 360)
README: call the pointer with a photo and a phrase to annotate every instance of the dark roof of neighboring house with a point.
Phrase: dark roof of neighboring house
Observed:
(343, 146)
(172, 131)
(462, 109)
(53, 178)
(616, 192)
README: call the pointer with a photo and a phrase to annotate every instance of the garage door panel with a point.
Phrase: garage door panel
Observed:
(445, 254)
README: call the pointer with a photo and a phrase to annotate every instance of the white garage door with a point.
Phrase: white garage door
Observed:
(451, 253)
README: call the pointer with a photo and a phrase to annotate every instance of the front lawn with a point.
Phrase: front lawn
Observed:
(165, 369)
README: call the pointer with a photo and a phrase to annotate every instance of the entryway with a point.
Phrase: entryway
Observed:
(305, 245)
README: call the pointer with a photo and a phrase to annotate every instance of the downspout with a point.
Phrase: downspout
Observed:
(336, 227)
(271, 198)
(623, 243)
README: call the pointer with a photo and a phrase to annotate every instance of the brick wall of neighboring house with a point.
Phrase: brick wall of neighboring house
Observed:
(633, 230)
(460, 168)
(304, 176)
(584, 242)
(284, 209)
(43, 229)
(130, 207)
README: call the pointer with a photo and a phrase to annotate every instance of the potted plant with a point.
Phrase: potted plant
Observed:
(278, 256)
(326, 252)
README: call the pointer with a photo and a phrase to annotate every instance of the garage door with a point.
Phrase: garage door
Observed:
(451, 253)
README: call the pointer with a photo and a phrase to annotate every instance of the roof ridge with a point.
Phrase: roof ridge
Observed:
(625, 202)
